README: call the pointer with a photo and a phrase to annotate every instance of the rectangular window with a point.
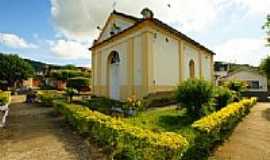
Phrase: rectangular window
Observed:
(253, 84)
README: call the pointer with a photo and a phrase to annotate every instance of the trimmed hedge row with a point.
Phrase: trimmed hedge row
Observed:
(217, 121)
(46, 97)
(213, 129)
(123, 137)
(4, 97)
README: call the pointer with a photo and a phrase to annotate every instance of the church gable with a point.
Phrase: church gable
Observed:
(115, 24)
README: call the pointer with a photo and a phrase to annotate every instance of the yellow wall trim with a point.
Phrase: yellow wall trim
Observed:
(130, 70)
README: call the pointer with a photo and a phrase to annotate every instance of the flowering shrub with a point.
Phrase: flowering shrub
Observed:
(46, 97)
(4, 97)
(133, 103)
(220, 120)
(214, 128)
(120, 136)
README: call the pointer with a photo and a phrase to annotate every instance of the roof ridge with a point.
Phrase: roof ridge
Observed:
(125, 15)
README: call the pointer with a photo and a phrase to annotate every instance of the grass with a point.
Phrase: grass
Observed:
(166, 119)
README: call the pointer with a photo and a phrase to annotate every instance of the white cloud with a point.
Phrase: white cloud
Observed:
(79, 19)
(261, 7)
(14, 41)
(242, 50)
(69, 49)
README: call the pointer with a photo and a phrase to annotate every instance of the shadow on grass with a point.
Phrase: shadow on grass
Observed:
(266, 114)
(174, 123)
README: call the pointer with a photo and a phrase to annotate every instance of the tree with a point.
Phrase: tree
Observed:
(67, 74)
(266, 27)
(70, 67)
(79, 83)
(14, 69)
(265, 66)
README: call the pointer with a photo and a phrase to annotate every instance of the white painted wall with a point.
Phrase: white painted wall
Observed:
(121, 48)
(250, 76)
(206, 66)
(191, 54)
(165, 60)
(119, 22)
(138, 65)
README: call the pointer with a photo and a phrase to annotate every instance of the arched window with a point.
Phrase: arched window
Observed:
(115, 59)
(191, 69)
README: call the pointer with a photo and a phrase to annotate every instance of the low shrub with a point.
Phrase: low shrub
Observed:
(46, 97)
(159, 99)
(195, 95)
(223, 97)
(124, 139)
(4, 97)
(214, 128)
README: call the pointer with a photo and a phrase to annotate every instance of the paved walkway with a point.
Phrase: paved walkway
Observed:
(250, 139)
(37, 133)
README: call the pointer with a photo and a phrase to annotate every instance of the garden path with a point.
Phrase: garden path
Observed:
(251, 138)
(34, 132)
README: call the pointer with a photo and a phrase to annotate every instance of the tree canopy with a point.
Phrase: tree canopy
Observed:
(265, 66)
(66, 74)
(13, 69)
(266, 27)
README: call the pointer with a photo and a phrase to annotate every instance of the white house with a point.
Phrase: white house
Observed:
(144, 55)
(256, 81)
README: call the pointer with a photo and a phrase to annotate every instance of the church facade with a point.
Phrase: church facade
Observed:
(138, 56)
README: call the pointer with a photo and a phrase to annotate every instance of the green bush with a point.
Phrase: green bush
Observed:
(195, 95)
(236, 86)
(79, 83)
(214, 128)
(223, 97)
(46, 97)
(124, 139)
(66, 74)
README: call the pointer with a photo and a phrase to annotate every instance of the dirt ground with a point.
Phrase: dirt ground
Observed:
(250, 139)
(34, 132)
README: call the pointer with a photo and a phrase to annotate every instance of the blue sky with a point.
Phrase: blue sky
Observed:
(60, 31)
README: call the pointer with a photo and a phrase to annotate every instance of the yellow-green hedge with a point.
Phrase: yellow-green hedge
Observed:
(142, 143)
(226, 116)
(46, 97)
(211, 130)
(5, 97)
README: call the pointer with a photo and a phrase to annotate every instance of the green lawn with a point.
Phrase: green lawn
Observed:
(165, 119)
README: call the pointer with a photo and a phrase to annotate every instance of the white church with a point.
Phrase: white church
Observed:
(138, 56)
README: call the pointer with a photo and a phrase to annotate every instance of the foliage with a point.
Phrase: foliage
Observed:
(235, 85)
(14, 69)
(159, 99)
(214, 128)
(215, 122)
(223, 97)
(195, 95)
(70, 93)
(266, 27)
(65, 74)
(78, 83)
(4, 97)
(265, 66)
(46, 97)
(70, 67)
(121, 137)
